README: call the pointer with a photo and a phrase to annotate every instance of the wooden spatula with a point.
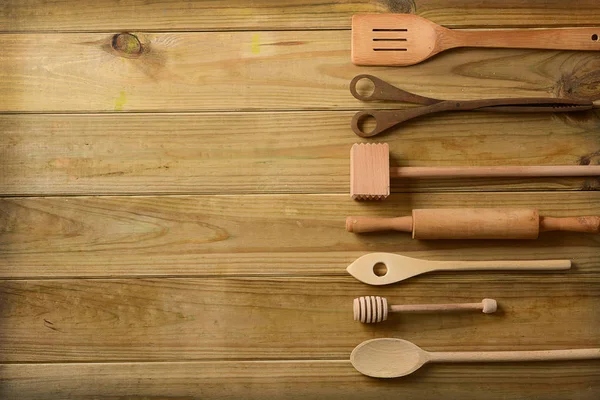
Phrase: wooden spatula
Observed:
(392, 358)
(397, 267)
(407, 39)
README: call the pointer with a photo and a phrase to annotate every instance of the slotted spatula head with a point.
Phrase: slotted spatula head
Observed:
(393, 39)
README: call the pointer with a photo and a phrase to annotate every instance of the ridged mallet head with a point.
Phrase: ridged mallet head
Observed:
(370, 171)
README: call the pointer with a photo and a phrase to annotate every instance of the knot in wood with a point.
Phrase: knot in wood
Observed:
(127, 44)
(400, 6)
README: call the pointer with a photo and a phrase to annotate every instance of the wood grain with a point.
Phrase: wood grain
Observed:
(233, 153)
(257, 235)
(89, 15)
(280, 318)
(82, 72)
(226, 279)
(295, 380)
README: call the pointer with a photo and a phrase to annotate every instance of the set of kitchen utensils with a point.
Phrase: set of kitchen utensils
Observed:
(406, 39)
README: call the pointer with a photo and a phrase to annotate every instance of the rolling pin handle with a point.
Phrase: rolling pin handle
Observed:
(374, 224)
(590, 224)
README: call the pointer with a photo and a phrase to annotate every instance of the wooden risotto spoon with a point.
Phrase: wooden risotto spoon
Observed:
(393, 358)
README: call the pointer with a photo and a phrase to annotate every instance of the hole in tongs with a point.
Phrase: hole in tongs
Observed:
(364, 124)
(362, 87)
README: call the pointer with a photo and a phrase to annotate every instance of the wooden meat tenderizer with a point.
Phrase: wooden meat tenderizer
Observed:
(371, 309)
(370, 171)
(474, 223)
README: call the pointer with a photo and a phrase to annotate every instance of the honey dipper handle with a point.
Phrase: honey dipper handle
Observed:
(374, 224)
(487, 306)
(590, 224)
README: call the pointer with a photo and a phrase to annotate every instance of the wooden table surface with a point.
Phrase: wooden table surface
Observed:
(172, 216)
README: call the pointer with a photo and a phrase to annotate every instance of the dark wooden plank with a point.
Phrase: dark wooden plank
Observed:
(255, 235)
(300, 380)
(89, 15)
(283, 318)
(236, 153)
(234, 71)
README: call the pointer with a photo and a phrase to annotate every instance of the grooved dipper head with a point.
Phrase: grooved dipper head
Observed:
(370, 309)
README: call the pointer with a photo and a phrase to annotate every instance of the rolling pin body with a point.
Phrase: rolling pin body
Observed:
(474, 223)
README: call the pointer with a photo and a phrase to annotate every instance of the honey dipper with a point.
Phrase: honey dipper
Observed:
(371, 309)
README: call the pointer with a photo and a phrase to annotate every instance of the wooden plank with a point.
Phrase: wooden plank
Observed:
(265, 153)
(256, 235)
(281, 318)
(82, 72)
(88, 15)
(301, 380)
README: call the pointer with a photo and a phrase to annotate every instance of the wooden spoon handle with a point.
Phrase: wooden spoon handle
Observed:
(590, 224)
(508, 356)
(502, 265)
(555, 39)
(374, 224)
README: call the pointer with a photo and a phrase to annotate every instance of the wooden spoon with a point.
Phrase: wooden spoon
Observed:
(392, 358)
(398, 268)
(407, 39)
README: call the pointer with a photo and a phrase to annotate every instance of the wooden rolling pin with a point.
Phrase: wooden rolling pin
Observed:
(474, 223)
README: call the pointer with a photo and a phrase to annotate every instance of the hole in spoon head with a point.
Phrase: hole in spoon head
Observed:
(595, 37)
(366, 124)
(380, 269)
(365, 87)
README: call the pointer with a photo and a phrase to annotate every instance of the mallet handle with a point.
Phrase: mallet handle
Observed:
(498, 171)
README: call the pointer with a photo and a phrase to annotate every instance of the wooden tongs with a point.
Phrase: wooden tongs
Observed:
(386, 119)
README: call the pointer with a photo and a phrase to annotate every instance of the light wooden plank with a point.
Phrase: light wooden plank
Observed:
(281, 318)
(257, 235)
(88, 15)
(264, 152)
(297, 380)
(81, 72)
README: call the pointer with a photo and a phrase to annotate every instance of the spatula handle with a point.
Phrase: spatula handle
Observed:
(554, 39)
(508, 356)
(502, 265)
